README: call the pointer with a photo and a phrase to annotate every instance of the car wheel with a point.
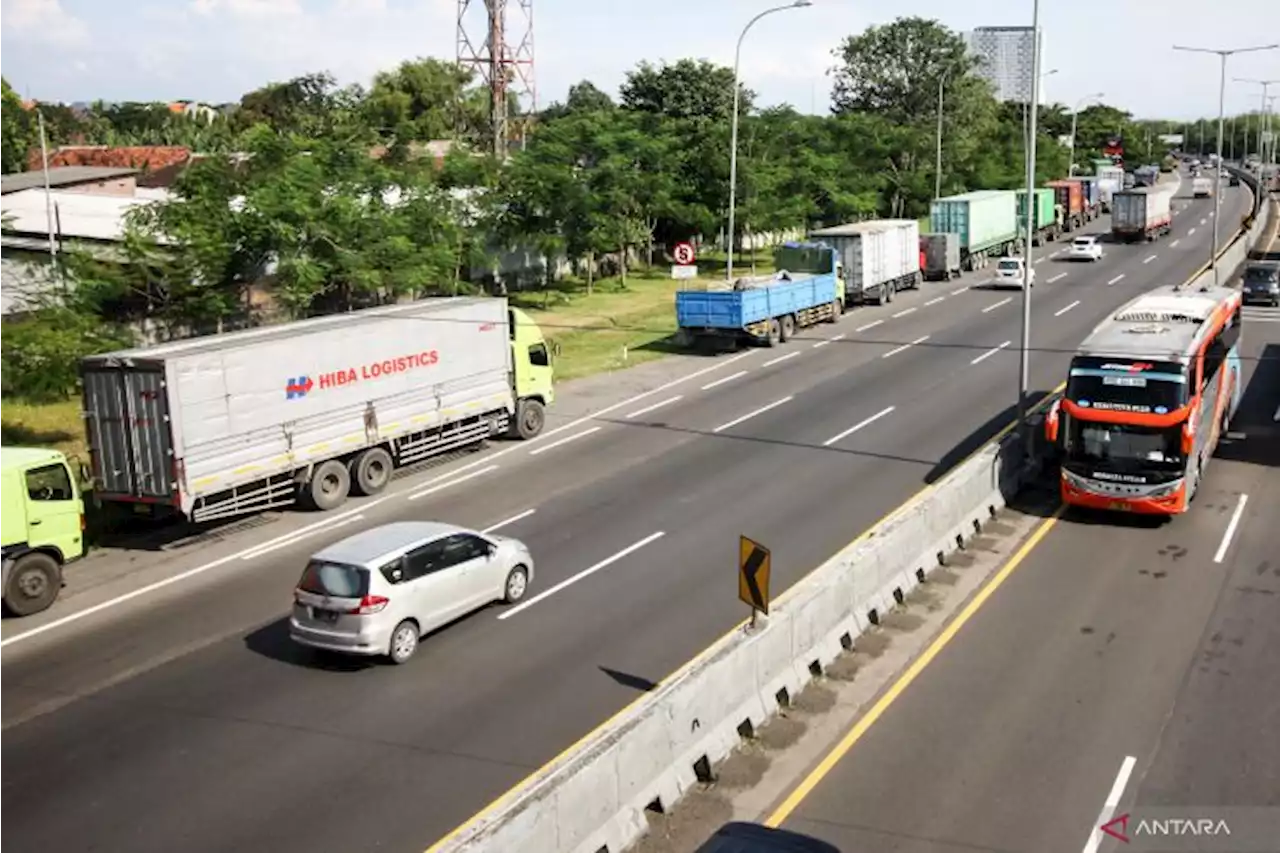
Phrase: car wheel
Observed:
(516, 585)
(404, 642)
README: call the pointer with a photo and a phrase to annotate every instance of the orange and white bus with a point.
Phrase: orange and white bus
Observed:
(1150, 392)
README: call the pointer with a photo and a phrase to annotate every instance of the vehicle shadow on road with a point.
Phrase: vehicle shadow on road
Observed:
(272, 641)
(983, 434)
(1254, 436)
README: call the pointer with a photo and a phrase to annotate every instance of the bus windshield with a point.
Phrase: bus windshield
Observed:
(1124, 449)
(1143, 387)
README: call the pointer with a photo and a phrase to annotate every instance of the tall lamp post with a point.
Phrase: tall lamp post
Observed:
(1026, 108)
(1075, 115)
(1262, 113)
(733, 143)
(1217, 175)
(1024, 348)
(937, 163)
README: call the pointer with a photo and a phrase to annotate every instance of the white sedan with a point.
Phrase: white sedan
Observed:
(1085, 249)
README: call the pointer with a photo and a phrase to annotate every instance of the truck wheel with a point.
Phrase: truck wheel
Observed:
(328, 486)
(33, 584)
(531, 417)
(837, 309)
(886, 293)
(788, 328)
(774, 333)
(371, 471)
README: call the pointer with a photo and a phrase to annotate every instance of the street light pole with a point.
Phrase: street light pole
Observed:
(1217, 175)
(1024, 349)
(1262, 110)
(1075, 114)
(937, 163)
(733, 133)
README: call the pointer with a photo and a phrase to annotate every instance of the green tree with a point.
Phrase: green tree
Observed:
(426, 99)
(311, 105)
(687, 89)
(19, 131)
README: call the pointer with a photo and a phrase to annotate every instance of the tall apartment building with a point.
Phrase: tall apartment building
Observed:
(1007, 58)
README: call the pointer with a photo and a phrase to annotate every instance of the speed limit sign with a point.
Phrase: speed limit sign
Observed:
(684, 254)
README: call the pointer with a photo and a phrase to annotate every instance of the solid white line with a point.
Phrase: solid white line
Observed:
(905, 346)
(1057, 277)
(1149, 259)
(1231, 529)
(606, 562)
(986, 355)
(868, 326)
(780, 358)
(960, 291)
(724, 379)
(647, 409)
(181, 576)
(431, 490)
(1062, 311)
(749, 415)
(1096, 835)
(506, 521)
(1174, 243)
(859, 425)
(1114, 280)
(904, 313)
(553, 445)
(990, 308)
(613, 407)
(1192, 231)
(296, 539)
(934, 301)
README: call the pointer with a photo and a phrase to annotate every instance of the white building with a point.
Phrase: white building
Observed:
(1006, 57)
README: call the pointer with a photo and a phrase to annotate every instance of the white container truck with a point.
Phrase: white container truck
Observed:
(879, 256)
(309, 411)
(1110, 181)
(1142, 213)
(1201, 187)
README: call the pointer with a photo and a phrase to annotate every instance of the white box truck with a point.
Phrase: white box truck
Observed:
(1202, 187)
(879, 256)
(309, 411)
(1110, 181)
(1142, 213)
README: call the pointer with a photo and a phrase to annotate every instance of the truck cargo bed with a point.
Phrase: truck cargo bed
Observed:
(735, 310)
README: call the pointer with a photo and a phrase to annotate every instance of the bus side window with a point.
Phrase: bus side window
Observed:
(1231, 332)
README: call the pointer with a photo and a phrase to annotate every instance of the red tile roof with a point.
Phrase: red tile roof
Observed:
(147, 157)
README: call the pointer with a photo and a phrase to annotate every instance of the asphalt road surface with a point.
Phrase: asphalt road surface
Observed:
(183, 718)
(1123, 666)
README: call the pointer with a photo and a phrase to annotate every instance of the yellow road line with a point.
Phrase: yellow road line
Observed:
(796, 797)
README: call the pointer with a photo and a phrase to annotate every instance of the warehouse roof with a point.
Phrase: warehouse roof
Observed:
(62, 176)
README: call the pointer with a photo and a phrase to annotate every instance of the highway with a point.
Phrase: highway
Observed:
(1123, 665)
(185, 719)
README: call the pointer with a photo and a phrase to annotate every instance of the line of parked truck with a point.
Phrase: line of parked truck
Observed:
(868, 262)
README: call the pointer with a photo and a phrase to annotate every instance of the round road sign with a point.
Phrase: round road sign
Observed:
(684, 254)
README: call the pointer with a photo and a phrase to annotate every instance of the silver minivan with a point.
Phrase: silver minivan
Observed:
(379, 591)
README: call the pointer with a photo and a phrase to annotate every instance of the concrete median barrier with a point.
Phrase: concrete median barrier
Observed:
(594, 797)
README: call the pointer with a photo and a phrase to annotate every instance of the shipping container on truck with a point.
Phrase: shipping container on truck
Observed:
(985, 221)
(1069, 197)
(806, 289)
(941, 256)
(1142, 213)
(1045, 227)
(1146, 176)
(1091, 196)
(1110, 180)
(309, 411)
(879, 257)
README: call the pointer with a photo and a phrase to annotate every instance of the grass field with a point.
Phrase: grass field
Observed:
(613, 328)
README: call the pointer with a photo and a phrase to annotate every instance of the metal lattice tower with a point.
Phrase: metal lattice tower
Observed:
(503, 60)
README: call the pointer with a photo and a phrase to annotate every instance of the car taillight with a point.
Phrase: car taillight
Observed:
(369, 604)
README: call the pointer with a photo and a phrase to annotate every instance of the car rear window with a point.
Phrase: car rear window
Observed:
(1084, 241)
(334, 580)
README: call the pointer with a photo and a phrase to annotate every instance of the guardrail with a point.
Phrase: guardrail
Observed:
(1233, 256)
(593, 798)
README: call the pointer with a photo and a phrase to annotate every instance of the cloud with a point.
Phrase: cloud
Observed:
(249, 10)
(43, 21)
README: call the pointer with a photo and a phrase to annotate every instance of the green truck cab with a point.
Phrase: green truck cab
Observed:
(43, 526)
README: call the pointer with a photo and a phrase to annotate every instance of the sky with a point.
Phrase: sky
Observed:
(215, 50)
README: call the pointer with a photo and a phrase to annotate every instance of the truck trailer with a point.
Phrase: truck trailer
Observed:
(1110, 180)
(1045, 226)
(807, 289)
(1091, 196)
(940, 256)
(1070, 197)
(1142, 213)
(879, 257)
(310, 411)
(985, 221)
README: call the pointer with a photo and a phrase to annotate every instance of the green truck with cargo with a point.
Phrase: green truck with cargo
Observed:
(43, 526)
(1047, 224)
(986, 222)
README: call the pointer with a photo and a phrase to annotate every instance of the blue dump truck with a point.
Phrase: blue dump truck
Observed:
(807, 289)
